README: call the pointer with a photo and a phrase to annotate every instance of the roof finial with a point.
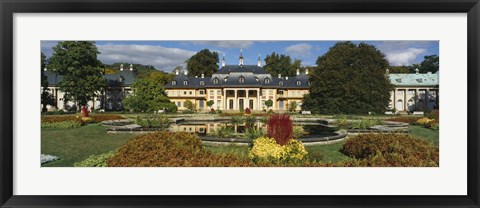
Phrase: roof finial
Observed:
(223, 60)
(241, 57)
(259, 62)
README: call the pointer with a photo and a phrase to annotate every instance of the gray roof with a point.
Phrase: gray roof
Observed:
(415, 79)
(240, 76)
(123, 78)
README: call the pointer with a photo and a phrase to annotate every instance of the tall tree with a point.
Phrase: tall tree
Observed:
(203, 62)
(281, 64)
(429, 64)
(82, 72)
(350, 79)
(46, 96)
(149, 94)
(399, 69)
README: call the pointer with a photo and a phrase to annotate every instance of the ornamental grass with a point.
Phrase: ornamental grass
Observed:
(280, 128)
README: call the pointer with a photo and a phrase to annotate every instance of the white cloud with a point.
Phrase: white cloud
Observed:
(161, 58)
(301, 49)
(404, 57)
(226, 44)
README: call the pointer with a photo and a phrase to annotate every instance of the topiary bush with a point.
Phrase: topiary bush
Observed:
(384, 150)
(267, 150)
(280, 128)
(170, 149)
(95, 160)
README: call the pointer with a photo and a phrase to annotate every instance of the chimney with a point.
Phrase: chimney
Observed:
(416, 71)
(196, 76)
(286, 78)
(387, 71)
(45, 69)
(185, 72)
(176, 71)
(131, 67)
(203, 76)
(298, 71)
(279, 76)
(121, 67)
(306, 71)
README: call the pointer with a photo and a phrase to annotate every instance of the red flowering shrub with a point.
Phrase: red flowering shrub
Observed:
(247, 111)
(280, 127)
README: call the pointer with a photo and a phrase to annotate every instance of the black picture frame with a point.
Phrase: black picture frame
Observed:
(10, 7)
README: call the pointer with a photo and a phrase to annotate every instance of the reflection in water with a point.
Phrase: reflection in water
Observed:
(205, 128)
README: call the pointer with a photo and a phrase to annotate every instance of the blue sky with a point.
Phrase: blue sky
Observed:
(165, 55)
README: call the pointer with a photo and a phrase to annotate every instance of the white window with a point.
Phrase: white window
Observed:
(219, 92)
(212, 92)
(201, 92)
(174, 82)
(267, 80)
(299, 83)
(185, 82)
(400, 93)
(215, 81)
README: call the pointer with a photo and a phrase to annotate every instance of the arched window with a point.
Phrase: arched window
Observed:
(202, 83)
(267, 81)
(185, 82)
(241, 79)
(215, 81)
(299, 83)
(174, 82)
(280, 83)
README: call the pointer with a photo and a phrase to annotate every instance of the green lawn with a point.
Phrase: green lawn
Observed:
(424, 133)
(73, 145)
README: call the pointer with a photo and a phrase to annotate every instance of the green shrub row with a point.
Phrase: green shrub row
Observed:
(61, 125)
(95, 160)
(153, 121)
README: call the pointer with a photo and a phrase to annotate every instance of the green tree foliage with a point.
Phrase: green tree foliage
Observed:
(293, 106)
(46, 96)
(203, 62)
(269, 103)
(429, 64)
(82, 72)
(349, 79)
(281, 64)
(210, 103)
(189, 105)
(149, 94)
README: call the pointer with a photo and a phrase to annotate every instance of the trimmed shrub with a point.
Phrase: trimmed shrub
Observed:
(61, 125)
(365, 123)
(253, 133)
(170, 149)
(268, 150)
(427, 123)
(280, 128)
(298, 132)
(95, 160)
(384, 150)
(405, 119)
(106, 117)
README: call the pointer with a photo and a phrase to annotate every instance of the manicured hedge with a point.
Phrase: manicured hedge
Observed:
(405, 119)
(383, 150)
(170, 149)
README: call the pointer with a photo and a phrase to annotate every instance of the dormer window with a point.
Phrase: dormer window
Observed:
(280, 83)
(398, 80)
(185, 82)
(241, 79)
(174, 82)
(202, 83)
(267, 81)
(309, 83)
(215, 81)
(299, 83)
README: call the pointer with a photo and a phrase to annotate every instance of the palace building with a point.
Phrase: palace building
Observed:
(240, 86)
(235, 87)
